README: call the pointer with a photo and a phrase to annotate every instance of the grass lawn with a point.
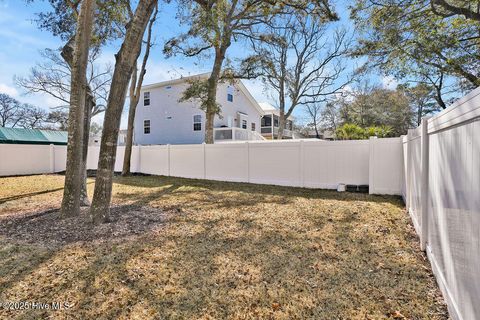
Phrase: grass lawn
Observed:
(189, 249)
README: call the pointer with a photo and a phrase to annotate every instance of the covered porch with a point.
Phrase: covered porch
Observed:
(227, 134)
(270, 125)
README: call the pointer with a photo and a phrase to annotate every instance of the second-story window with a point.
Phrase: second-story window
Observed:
(146, 98)
(253, 126)
(230, 93)
(197, 123)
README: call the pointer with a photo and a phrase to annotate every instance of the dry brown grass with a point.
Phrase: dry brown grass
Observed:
(187, 249)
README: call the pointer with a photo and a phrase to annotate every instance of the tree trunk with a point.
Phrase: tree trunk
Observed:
(135, 89)
(281, 124)
(419, 115)
(212, 92)
(125, 60)
(131, 123)
(67, 54)
(317, 134)
(73, 174)
(281, 120)
(89, 105)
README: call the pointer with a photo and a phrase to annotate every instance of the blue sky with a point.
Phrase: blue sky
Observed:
(21, 42)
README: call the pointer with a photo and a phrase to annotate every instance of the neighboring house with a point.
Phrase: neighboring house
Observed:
(324, 134)
(95, 140)
(270, 123)
(32, 136)
(161, 119)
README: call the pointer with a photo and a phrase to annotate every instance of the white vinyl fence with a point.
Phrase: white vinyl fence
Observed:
(297, 163)
(442, 193)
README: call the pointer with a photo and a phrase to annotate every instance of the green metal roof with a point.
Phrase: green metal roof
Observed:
(32, 136)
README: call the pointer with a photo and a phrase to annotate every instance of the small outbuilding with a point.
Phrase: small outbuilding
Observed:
(32, 136)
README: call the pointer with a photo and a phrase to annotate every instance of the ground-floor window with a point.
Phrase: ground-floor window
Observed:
(197, 123)
(146, 126)
(253, 126)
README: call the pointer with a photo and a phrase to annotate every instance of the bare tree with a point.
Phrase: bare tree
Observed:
(23, 115)
(9, 110)
(125, 60)
(314, 110)
(301, 62)
(135, 88)
(76, 122)
(216, 24)
(31, 117)
(52, 76)
(58, 119)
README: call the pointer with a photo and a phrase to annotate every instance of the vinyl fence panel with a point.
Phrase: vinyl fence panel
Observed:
(154, 160)
(443, 197)
(275, 163)
(386, 166)
(19, 159)
(227, 162)
(187, 161)
(328, 163)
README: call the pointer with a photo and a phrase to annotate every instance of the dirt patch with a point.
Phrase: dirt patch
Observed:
(48, 228)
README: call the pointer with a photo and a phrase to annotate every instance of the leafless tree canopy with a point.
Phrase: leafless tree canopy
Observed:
(300, 61)
(15, 114)
(52, 76)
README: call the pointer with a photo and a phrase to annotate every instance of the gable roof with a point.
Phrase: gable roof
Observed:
(268, 109)
(267, 106)
(32, 136)
(204, 76)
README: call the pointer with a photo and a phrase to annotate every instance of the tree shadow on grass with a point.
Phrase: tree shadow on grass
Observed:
(20, 196)
(231, 194)
(222, 250)
(220, 267)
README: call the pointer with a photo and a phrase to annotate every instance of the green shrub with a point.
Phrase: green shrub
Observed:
(350, 131)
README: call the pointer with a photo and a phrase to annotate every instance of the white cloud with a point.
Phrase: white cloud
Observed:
(389, 82)
(11, 91)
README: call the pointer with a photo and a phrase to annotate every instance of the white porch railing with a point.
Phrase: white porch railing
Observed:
(235, 134)
(268, 131)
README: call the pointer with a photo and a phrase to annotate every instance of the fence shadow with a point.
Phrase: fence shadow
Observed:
(253, 193)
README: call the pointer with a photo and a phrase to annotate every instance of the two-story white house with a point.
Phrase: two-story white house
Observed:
(161, 119)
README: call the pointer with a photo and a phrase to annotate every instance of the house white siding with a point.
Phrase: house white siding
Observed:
(171, 122)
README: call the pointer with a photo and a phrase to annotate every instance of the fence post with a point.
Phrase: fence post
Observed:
(139, 158)
(248, 161)
(371, 165)
(52, 158)
(409, 171)
(301, 164)
(405, 168)
(204, 160)
(168, 160)
(424, 185)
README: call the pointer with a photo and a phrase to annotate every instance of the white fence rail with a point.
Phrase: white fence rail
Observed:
(298, 163)
(442, 193)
